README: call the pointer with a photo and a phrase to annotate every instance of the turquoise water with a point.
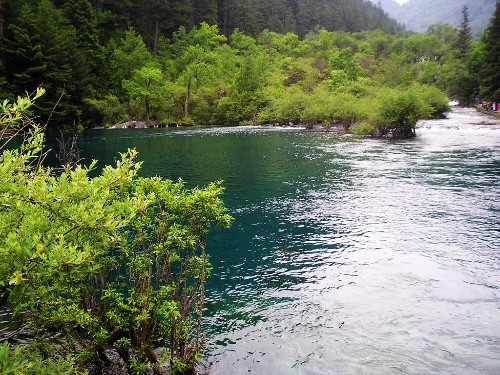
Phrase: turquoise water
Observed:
(346, 256)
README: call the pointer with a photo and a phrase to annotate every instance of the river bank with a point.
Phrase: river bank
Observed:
(487, 112)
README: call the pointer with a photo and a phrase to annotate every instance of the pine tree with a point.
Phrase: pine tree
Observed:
(153, 18)
(205, 11)
(88, 58)
(40, 50)
(463, 43)
(490, 72)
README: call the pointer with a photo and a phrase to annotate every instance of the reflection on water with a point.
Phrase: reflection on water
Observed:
(346, 257)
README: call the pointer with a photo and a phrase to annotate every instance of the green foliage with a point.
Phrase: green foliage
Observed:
(201, 76)
(111, 261)
(246, 98)
(434, 98)
(23, 361)
(464, 37)
(144, 87)
(490, 71)
(107, 111)
(125, 55)
(344, 67)
(364, 129)
(40, 49)
(400, 111)
(11, 114)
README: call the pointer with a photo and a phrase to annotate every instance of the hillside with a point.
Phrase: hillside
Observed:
(418, 15)
(300, 16)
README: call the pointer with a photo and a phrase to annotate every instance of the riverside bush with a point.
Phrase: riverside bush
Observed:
(400, 111)
(22, 361)
(434, 98)
(107, 262)
(364, 129)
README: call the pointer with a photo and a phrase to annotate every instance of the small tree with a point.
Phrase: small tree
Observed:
(144, 86)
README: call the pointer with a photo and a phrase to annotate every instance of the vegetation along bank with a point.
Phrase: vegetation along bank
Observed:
(107, 63)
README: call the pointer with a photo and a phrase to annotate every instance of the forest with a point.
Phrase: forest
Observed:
(203, 63)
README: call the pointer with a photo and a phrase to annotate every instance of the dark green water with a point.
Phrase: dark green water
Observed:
(346, 257)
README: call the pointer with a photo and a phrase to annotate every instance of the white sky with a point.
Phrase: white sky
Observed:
(401, 1)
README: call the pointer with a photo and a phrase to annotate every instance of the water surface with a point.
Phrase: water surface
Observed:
(346, 256)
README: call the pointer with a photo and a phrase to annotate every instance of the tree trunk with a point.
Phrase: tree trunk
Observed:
(148, 104)
(96, 10)
(157, 34)
(188, 96)
(2, 20)
(148, 110)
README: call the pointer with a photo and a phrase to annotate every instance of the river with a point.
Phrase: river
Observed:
(346, 256)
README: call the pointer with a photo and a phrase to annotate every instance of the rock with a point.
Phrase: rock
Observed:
(130, 125)
(117, 364)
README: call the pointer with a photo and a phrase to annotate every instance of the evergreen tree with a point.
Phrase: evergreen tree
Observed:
(154, 18)
(463, 42)
(88, 59)
(205, 11)
(490, 72)
(40, 50)
(2, 17)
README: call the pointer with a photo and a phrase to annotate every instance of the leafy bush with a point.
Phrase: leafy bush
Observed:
(364, 129)
(112, 261)
(108, 111)
(22, 361)
(434, 98)
(400, 111)
(283, 105)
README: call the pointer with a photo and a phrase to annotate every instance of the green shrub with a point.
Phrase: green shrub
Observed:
(108, 111)
(283, 105)
(400, 111)
(111, 261)
(434, 98)
(23, 361)
(364, 129)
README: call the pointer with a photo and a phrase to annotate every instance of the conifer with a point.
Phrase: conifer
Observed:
(463, 43)
(490, 72)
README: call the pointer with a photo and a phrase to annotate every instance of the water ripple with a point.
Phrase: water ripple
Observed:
(346, 256)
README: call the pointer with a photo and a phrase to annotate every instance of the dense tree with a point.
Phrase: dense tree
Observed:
(205, 11)
(490, 72)
(198, 61)
(72, 46)
(106, 49)
(144, 86)
(40, 49)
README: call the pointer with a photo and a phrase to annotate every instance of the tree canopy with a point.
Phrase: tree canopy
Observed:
(490, 71)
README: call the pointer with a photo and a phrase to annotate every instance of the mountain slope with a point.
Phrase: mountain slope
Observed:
(299, 16)
(418, 15)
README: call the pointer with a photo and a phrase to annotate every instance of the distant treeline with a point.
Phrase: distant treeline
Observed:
(152, 18)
